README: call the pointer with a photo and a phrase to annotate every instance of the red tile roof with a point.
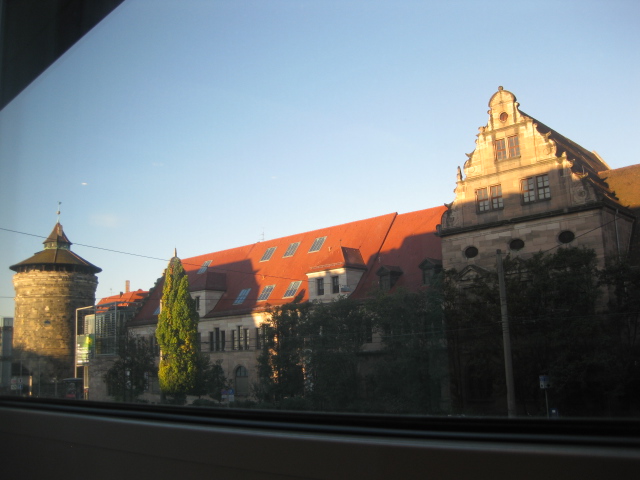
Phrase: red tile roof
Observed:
(404, 240)
(125, 298)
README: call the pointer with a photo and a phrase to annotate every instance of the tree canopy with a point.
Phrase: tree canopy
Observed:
(177, 335)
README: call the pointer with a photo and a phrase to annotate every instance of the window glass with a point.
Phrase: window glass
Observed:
(172, 130)
(500, 149)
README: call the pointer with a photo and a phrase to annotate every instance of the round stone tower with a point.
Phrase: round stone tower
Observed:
(49, 287)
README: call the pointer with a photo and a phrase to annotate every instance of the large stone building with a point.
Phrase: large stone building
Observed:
(49, 287)
(234, 289)
(526, 188)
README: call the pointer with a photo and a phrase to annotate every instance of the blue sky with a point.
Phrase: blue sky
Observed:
(206, 125)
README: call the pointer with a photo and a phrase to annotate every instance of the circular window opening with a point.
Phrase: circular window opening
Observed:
(566, 237)
(504, 116)
(516, 244)
(471, 252)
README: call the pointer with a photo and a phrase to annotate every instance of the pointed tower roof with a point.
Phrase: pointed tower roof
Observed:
(57, 251)
(57, 238)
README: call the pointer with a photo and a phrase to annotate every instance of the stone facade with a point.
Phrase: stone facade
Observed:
(49, 287)
(525, 189)
(46, 303)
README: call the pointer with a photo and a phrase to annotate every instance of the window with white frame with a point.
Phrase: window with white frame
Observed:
(266, 292)
(292, 289)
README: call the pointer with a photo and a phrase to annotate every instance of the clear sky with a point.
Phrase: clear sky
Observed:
(204, 125)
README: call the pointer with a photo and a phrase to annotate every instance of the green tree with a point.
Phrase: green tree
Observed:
(280, 365)
(556, 329)
(128, 377)
(210, 379)
(410, 370)
(623, 283)
(177, 334)
(334, 336)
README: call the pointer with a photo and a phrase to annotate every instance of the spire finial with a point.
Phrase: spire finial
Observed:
(58, 212)
(175, 252)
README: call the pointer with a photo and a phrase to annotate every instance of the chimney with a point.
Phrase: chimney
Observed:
(127, 286)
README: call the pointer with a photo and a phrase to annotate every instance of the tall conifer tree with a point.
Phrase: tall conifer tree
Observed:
(177, 335)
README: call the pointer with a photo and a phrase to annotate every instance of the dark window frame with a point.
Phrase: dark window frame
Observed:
(535, 189)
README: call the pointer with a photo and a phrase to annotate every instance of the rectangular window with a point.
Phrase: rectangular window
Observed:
(211, 342)
(317, 244)
(268, 254)
(482, 200)
(246, 339)
(233, 339)
(197, 299)
(239, 338)
(291, 249)
(242, 296)
(292, 289)
(223, 341)
(258, 338)
(204, 266)
(335, 284)
(320, 286)
(500, 149)
(266, 292)
(535, 189)
(528, 190)
(514, 146)
(216, 334)
(496, 197)
(542, 184)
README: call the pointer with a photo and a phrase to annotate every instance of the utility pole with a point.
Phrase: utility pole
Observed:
(506, 339)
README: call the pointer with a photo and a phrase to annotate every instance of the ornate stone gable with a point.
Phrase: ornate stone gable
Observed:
(522, 171)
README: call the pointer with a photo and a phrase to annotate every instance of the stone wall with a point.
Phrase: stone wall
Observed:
(45, 308)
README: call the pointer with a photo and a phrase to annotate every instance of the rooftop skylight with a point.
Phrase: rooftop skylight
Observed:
(242, 296)
(292, 289)
(317, 244)
(268, 254)
(291, 249)
(266, 292)
(204, 266)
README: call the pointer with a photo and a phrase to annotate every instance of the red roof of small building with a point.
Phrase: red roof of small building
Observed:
(404, 240)
(123, 299)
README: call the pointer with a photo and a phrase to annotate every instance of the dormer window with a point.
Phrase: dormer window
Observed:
(431, 268)
(389, 276)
